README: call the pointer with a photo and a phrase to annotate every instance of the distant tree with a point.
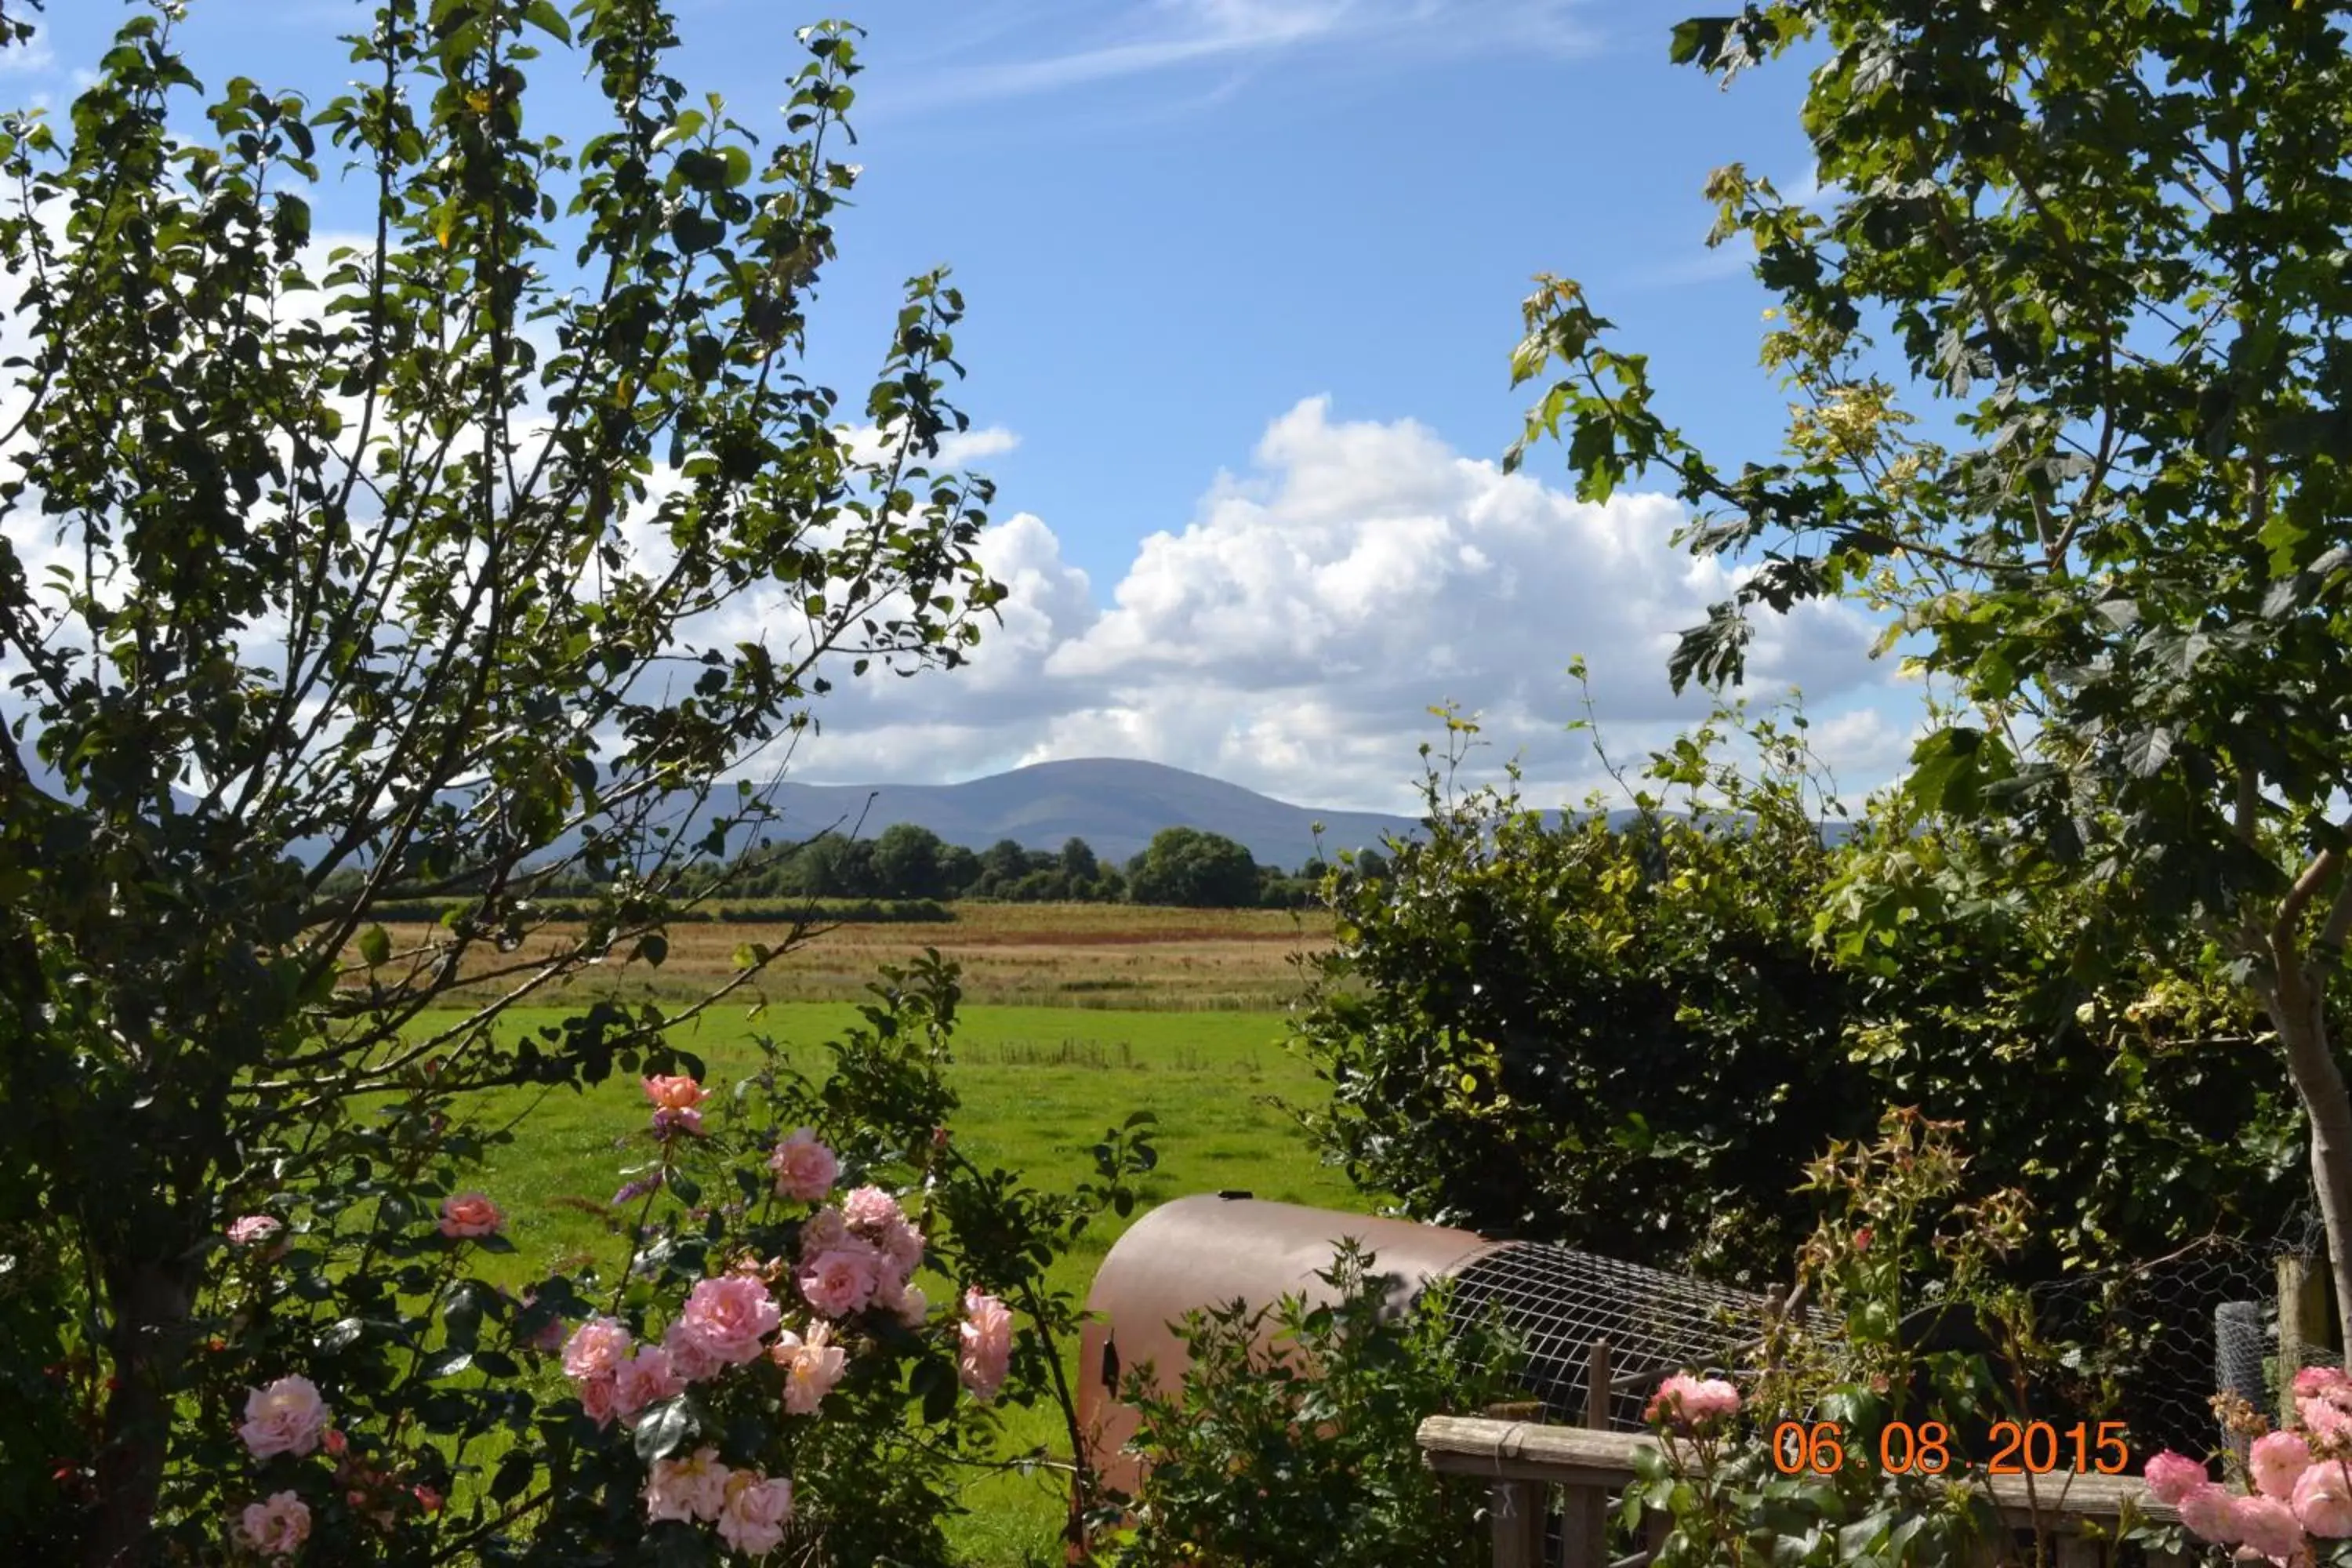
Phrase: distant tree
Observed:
(907, 863)
(960, 870)
(1191, 868)
(1079, 865)
(1040, 886)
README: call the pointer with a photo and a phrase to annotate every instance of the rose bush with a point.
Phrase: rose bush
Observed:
(757, 1371)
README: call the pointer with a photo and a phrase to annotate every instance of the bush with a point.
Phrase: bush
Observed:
(1635, 1041)
(1290, 1442)
(363, 1379)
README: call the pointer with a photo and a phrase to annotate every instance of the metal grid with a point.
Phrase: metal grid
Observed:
(1557, 1301)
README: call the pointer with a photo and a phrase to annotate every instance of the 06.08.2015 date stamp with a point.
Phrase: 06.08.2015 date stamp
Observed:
(2028, 1449)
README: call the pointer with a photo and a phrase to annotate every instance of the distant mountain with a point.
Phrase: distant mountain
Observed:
(1115, 803)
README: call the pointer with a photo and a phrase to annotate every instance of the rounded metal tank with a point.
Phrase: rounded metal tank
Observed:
(1209, 1251)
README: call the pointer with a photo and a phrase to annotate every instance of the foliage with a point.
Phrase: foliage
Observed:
(1635, 1040)
(2105, 249)
(1290, 1441)
(1853, 1445)
(439, 1380)
(1193, 869)
(422, 466)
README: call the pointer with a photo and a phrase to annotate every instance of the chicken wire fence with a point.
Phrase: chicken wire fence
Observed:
(2159, 1339)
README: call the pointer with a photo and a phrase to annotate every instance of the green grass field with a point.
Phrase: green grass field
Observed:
(1039, 1085)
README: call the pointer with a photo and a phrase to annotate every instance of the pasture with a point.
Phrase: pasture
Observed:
(1120, 957)
(1039, 1085)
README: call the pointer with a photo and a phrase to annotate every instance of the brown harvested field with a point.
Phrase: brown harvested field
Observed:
(1070, 955)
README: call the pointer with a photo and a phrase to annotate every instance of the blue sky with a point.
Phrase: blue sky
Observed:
(1243, 279)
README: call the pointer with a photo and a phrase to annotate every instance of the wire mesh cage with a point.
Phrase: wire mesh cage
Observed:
(1556, 1301)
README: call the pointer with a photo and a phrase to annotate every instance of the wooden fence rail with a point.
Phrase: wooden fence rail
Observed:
(1524, 1461)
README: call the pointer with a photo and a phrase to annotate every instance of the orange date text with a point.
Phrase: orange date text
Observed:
(2028, 1449)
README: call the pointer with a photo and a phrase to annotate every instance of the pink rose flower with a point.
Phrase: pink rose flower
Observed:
(550, 1334)
(2276, 1461)
(691, 1489)
(2322, 1415)
(841, 1281)
(811, 1367)
(2269, 1527)
(1689, 1402)
(872, 1210)
(600, 1397)
(2170, 1475)
(646, 1378)
(254, 1228)
(904, 1301)
(596, 1349)
(805, 1168)
(2317, 1380)
(2323, 1499)
(669, 1123)
(675, 1092)
(469, 1213)
(756, 1510)
(984, 1344)
(277, 1528)
(287, 1418)
(729, 1316)
(689, 1356)
(2210, 1513)
(902, 1247)
(822, 1232)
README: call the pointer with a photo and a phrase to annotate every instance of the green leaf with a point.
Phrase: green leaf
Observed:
(542, 15)
(448, 1363)
(662, 1428)
(375, 945)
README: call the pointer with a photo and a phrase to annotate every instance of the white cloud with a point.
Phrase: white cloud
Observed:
(32, 58)
(1293, 636)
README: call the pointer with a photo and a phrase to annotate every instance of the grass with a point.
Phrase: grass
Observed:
(1039, 1085)
(1115, 957)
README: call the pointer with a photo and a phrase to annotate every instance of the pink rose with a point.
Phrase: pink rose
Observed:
(596, 1349)
(822, 1232)
(287, 1418)
(675, 1092)
(902, 1247)
(2269, 1527)
(811, 1367)
(689, 1356)
(1688, 1401)
(2317, 1380)
(469, 1213)
(2277, 1460)
(669, 1123)
(2170, 1475)
(277, 1528)
(752, 1517)
(841, 1281)
(691, 1489)
(600, 1397)
(2321, 1415)
(904, 1301)
(985, 1344)
(872, 1210)
(254, 1228)
(2210, 1513)
(805, 1168)
(729, 1316)
(646, 1378)
(2323, 1499)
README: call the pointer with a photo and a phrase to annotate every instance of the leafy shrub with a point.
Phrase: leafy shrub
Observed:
(1290, 1441)
(1635, 1040)
(367, 1382)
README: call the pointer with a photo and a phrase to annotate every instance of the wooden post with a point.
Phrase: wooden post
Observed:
(2302, 1320)
(1516, 1507)
(1584, 1510)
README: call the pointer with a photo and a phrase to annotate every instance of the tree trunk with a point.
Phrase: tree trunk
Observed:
(2297, 1010)
(151, 1300)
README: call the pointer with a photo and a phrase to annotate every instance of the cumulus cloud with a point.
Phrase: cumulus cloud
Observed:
(1293, 636)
